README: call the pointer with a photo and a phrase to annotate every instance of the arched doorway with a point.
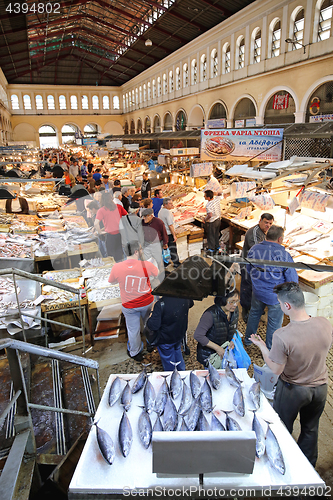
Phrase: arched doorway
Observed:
(180, 121)
(167, 122)
(132, 131)
(245, 113)
(157, 124)
(69, 133)
(217, 116)
(196, 118)
(126, 128)
(147, 125)
(280, 109)
(91, 130)
(320, 104)
(139, 126)
(48, 137)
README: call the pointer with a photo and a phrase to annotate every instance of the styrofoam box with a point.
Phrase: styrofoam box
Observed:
(194, 252)
(322, 291)
(325, 301)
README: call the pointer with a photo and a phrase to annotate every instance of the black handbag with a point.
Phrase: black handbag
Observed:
(153, 336)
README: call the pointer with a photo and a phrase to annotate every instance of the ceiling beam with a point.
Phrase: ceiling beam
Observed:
(223, 10)
(35, 69)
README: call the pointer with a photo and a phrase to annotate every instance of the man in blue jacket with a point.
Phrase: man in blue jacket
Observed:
(264, 279)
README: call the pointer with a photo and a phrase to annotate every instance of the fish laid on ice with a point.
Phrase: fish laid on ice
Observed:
(149, 397)
(176, 383)
(158, 427)
(260, 436)
(195, 384)
(145, 429)
(254, 392)
(125, 435)
(238, 402)
(191, 418)
(140, 380)
(273, 452)
(206, 398)
(202, 424)
(230, 423)
(215, 424)
(115, 391)
(183, 427)
(105, 444)
(186, 400)
(214, 376)
(161, 398)
(126, 396)
(231, 377)
(170, 416)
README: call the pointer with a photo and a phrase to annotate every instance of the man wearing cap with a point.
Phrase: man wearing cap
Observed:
(167, 218)
(155, 236)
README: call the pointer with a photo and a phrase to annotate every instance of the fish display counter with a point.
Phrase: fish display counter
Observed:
(141, 420)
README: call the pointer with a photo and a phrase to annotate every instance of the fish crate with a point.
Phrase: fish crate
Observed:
(84, 248)
(98, 304)
(55, 305)
(52, 275)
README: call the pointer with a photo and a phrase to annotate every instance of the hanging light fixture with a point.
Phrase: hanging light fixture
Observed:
(148, 42)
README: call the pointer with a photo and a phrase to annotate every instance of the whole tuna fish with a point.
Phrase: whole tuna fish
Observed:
(260, 436)
(273, 452)
(238, 402)
(254, 392)
(230, 423)
(214, 376)
(206, 398)
(176, 383)
(183, 427)
(191, 418)
(145, 429)
(125, 435)
(195, 385)
(186, 400)
(158, 425)
(170, 416)
(115, 391)
(232, 379)
(215, 424)
(149, 397)
(161, 398)
(202, 424)
(105, 444)
(126, 397)
(140, 380)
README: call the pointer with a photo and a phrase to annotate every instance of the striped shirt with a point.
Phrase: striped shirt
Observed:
(214, 207)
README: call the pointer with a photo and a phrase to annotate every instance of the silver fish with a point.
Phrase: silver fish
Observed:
(214, 376)
(145, 429)
(126, 396)
(161, 398)
(238, 402)
(273, 452)
(105, 444)
(254, 392)
(140, 380)
(183, 427)
(215, 424)
(195, 384)
(206, 398)
(125, 435)
(170, 416)
(260, 436)
(115, 391)
(176, 384)
(191, 418)
(231, 424)
(232, 379)
(202, 424)
(186, 400)
(149, 397)
(158, 425)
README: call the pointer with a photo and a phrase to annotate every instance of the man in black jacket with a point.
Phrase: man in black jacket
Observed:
(170, 319)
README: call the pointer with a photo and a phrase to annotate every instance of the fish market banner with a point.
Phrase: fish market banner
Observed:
(231, 144)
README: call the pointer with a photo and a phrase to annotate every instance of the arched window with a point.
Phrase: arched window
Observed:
(140, 94)
(126, 128)
(136, 96)
(149, 91)
(133, 101)
(139, 126)
(167, 122)
(84, 102)
(27, 101)
(240, 62)
(217, 112)
(95, 102)
(226, 58)
(48, 137)
(124, 103)
(214, 63)
(147, 125)
(159, 86)
(144, 92)
(154, 89)
(116, 102)
(73, 102)
(185, 75)
(165, 84)
(68, 133)
(298, 30)
(325, 20)
(62, 102)
(157, 124)
(180, 121)
(50, 102)
(256, 46)
(203, 67)
(15, 101)
(170, 81)
(276, 38)
(178, 84)
(132, 129)
(90, 130)
(194, 72)
(39, 102)
(106, 102)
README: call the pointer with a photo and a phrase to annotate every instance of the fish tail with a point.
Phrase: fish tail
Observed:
(175, 364)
